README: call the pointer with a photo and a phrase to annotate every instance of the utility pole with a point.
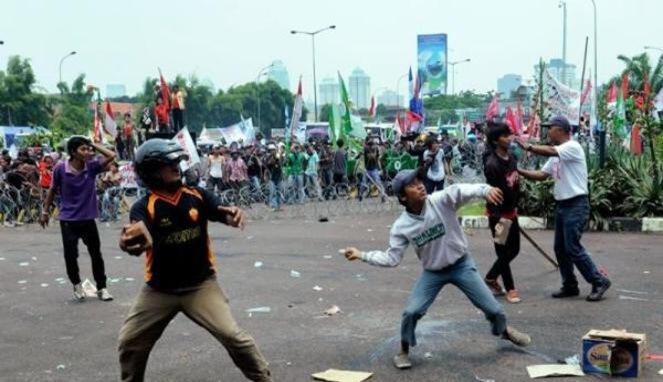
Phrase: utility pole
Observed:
(562, 4)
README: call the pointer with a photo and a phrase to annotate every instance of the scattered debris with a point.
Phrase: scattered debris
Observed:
(323, 219)
(60, 279)
(257, 264)
(23, 264)
(44, 285)
(341, 251)
(622, 297)
(288, 363)
(317, 288)
(129, 279)
(22, 281)
(335, 375)
(631, 291)
(249, 237)
(260, 309)
(428, 355)
(295, 274)
(541, 371)
(327, 256)
(333, 310)
(34, 258)
(646, 272)
(369, 230)
(118, 257)
(572, 360)
(60, 367)
(2, 258)
(113, 281)
(660, 372)
(483, 380)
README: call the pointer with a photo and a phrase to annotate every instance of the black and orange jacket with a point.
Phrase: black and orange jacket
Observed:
(181, 256)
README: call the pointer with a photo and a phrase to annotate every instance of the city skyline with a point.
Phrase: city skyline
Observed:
(215, 43)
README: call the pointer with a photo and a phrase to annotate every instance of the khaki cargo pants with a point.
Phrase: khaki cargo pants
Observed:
(206, 306)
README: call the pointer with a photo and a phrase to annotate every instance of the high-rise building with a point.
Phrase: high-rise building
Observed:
(279, 73)
(390, 98)
(508, 83)
(359, 88)
(115, 90)
(329, 91)
(556, 69)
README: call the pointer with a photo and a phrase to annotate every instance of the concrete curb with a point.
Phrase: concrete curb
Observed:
(529, 222)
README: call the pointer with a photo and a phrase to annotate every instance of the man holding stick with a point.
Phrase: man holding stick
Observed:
(568, 168)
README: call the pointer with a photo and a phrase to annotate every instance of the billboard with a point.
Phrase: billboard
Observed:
(432, 63)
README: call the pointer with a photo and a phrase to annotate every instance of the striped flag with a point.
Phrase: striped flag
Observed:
(110, 127)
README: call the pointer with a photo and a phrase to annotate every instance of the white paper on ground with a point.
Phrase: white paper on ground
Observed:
(541, 371)
(334, 375)
(89, 288)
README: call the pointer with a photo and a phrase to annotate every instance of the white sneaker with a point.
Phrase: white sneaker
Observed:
(79, 294)
(104, 295)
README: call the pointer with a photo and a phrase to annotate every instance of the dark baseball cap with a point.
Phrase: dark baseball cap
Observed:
(558, 121)
(402, 179)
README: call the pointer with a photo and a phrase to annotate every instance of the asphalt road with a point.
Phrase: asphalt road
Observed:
(46, 336)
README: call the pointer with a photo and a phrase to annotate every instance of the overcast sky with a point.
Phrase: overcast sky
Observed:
(228, 42)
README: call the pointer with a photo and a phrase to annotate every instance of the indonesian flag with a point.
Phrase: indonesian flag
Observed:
(625, 86)
(533, 126)
(109, 122)
(519, 120)
(373, 109)
(97, 126)
(636, 141)
(398, 125)
(611, 97)
(493, 109)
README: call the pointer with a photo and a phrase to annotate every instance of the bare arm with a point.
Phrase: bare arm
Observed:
(534, 174)
(546, 151)
(46, 207)
(109, 156)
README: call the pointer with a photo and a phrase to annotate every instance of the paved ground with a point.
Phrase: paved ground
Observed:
(48, 337)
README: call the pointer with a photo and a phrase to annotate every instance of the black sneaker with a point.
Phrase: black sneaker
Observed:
(598, 290)
(566, 292)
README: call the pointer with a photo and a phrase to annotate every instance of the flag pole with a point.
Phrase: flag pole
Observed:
(538, 248)
(582, 84)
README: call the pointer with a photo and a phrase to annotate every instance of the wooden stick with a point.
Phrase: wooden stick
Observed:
(541, 251)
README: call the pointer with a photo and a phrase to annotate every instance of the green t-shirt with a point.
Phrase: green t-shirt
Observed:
(295, 163)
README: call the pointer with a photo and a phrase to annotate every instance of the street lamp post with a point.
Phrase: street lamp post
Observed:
(260, 74)
(398, 90)
(654, 48)
(562, 4)
(315, 85)
(63, 58)
(453, 73)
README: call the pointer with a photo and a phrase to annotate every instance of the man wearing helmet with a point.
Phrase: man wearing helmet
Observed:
(169, 224)
(75, 181)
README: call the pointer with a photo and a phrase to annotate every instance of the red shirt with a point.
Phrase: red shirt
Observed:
(161, 111)
(128, 130)
(45, 175)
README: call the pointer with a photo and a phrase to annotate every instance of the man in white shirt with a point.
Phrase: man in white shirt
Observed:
(568, 168)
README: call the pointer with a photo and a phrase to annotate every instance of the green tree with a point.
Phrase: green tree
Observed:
(19, 104)
(72, 114)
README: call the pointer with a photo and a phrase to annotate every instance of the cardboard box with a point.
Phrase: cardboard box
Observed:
(613, 352)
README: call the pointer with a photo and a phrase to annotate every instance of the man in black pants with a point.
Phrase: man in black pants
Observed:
(500, 169)
(75, 181)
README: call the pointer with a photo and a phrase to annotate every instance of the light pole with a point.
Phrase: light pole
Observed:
(398, 90)
(562, 4)
(315, 85)
(453, 73)
(63, 58)
(260, 74)
(653, 48)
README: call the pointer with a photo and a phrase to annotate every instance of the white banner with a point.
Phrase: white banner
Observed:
(128, 176)
(562, 100)
(184, 139)
(242, 131)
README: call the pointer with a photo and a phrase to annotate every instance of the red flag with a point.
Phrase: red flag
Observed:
(165, 91)
(519, 119)
(97, 125)
(646, 88)
(372, 111)
(533, 126)
(398, 125)
(493, 108)
(625, 86)
(511, 119)
(636, 141)
(612, 94)
(109, 121)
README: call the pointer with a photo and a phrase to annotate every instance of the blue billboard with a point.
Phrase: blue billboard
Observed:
(432, 63)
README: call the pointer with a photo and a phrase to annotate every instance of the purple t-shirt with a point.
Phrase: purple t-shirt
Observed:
(78, 191)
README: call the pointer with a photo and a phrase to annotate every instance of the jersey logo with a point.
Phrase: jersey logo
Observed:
(429, 235)
(165, 222)
(193, 214)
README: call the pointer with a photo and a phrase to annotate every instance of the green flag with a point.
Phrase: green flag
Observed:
(619, 118)
(346, 107)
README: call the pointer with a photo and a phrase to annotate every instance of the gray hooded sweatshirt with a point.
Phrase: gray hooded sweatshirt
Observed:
(437, 236)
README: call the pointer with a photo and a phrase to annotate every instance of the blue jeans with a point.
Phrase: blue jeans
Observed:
(313, 180)
(570, 219)
(375, 177)
(298, 182)
(463, 274)
(274, 194)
